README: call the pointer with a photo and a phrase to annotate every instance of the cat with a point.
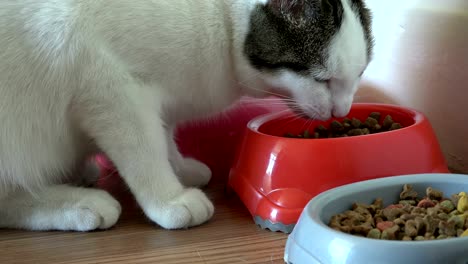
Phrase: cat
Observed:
(78, 77)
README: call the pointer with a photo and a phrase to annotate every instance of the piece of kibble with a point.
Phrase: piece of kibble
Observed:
(362, 228)
(374, 233)
(454, 212)
(375, 115)
(447, 228)
(426, 203)
(336, 126)
(466, 223)
(431, 223)
(392, 213)
(459, 220)
(465, 233)
(443, 216)
(409, 202)
(390, 233)
(454, 198)
(321, 130)
(432, 211)
(395, 126)
(355, 132)
(306, 134)
(377, 204)
(429, 236)
(365, 131)
(387, 123)
(356, 123)
(371, 122)
(434, 194)
(399, 221)
(408, 193)
(394, 206)
(447, 206)
(419, 238)
(419, 210)
(385, 225)
(406, 217)
(410, 228)
(407, 238)
(462, 205)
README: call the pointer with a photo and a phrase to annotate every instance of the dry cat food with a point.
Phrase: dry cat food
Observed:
(351, 127)
(412, 218)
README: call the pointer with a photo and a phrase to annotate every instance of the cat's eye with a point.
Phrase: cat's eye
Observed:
(321, 80)
(297, 67)
(277, 65)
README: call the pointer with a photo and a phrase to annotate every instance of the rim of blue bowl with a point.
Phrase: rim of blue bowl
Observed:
(318, 203)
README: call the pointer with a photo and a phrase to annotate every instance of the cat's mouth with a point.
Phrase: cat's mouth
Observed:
(296, 107)
(309, 112)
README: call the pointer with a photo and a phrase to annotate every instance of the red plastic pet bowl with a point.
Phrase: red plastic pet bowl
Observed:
(275, 177)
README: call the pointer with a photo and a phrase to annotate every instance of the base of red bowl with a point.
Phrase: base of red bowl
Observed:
(269, 215)
(276, 197)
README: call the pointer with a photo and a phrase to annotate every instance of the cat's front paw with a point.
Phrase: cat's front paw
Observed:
(98, 210)
(191, 208)
(193, 173)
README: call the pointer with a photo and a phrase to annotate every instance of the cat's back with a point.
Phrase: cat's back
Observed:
(39, 39)
(39, 51)
(58, 35)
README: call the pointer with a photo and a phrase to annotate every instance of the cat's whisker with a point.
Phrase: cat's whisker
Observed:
(363, 97)
(298, 114)
(266, 91)
(270, 100)
(245, 84)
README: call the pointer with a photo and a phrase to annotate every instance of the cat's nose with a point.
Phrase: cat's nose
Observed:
(338, 112)
(335, 112)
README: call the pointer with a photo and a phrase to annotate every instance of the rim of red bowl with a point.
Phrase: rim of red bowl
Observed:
(418, 117)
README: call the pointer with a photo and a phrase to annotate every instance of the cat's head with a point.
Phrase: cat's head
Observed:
(314, 51)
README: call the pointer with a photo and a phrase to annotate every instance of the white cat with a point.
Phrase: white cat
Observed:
(81, 76)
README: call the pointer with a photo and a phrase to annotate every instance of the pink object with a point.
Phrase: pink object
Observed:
(385, 225)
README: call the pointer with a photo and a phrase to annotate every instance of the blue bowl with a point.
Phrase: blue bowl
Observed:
(313, 242)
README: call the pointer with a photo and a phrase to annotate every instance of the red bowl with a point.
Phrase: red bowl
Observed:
(275, 177)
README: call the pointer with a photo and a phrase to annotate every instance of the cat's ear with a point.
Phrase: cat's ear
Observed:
(333, 9)
(327, 6)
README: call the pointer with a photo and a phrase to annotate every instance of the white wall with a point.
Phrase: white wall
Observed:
(421, 61)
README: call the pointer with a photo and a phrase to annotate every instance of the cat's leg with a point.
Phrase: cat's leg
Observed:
(59, 207)
(190, 171)
(124, 123)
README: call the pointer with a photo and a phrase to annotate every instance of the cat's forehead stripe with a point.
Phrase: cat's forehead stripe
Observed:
(274, 39)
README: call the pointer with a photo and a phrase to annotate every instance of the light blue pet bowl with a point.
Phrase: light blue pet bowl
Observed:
(313, 242)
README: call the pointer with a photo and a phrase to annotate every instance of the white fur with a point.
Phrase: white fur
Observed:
(78, 76)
